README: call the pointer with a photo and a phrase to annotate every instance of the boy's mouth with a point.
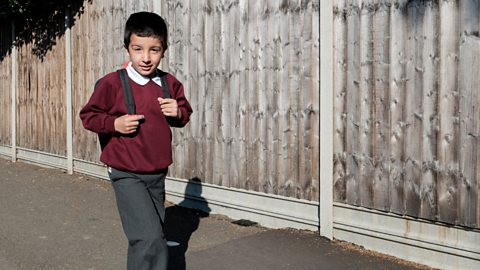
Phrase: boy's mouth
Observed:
(145, 68)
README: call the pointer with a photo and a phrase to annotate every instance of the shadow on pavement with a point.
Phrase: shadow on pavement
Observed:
(182, 220)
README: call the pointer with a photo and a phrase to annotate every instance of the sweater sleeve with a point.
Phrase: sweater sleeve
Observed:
(95, 114)
(183, 105)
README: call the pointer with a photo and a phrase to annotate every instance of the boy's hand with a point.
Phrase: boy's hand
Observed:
(128, 123)
(169, 107)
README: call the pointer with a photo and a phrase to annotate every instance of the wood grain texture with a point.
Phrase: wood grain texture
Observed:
(5, 83)
(468, 85)
(41, 123)
(340, 64)
(406, 107)
(448, 174)
(253, 80)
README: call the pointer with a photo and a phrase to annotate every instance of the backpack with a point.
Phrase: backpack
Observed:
(128, 95)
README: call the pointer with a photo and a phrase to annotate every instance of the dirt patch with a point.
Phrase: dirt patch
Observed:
(356, 248)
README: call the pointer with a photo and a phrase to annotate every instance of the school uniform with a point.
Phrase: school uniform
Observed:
(138, 163)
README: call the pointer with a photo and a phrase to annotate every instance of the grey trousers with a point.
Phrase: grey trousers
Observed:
(140, 201)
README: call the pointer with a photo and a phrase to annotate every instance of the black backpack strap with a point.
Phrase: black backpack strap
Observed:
(127, 91)
(103, 139)
(163, 80)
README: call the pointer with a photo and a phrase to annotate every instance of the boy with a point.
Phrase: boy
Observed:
(137, 148)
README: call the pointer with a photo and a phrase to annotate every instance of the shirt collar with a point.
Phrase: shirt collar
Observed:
(139, 78)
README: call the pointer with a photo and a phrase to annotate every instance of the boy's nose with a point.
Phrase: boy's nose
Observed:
(146, 57)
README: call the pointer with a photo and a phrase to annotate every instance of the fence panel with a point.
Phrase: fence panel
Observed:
(406, 107)
(5, 82)
(41, 123)
(255, 95)
(250, 69)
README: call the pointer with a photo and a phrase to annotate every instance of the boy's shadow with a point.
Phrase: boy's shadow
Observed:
(182, 220)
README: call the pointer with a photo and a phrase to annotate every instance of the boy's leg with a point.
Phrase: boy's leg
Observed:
(138, 198)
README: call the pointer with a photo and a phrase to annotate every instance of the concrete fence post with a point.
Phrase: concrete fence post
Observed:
(68, 96)
(326, 119)
(14, 96)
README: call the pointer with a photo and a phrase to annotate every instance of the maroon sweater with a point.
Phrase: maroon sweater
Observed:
(150, 148)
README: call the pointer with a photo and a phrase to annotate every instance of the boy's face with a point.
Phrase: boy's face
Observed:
(145, 54)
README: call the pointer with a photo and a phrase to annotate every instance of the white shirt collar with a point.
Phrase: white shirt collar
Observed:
(139, 78)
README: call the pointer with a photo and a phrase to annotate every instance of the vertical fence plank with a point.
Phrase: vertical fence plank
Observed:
(447, 190)
(244, 89)
(273, 62)
(209, 89)
(428, 203)
(304, 110)
(179, 35)
(190, 84)
(254, 94)
(340, 65)
(233, 84)
(309, 94)
(398, 38)
(191, 88)
(468, 85)
(284, 99)
(315, 138)
(291, 134)
(413, 107)
(222, 75)
(381, 106)
(352, 104)
(227, 18)
(219, 93)
(198, 99)
(363, 154)
(265, 99)
(287, 101)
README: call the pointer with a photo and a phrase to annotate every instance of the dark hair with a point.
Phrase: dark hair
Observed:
(146, 24)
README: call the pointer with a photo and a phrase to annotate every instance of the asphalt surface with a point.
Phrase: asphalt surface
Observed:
(50, 220)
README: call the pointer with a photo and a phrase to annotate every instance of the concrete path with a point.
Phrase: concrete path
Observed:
(53, 221)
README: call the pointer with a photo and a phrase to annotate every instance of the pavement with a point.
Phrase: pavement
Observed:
(50, 220)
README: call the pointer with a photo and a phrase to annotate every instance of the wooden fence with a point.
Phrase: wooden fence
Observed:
(406, 107)
(255, 95)
(252, 73)
(405, 80)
